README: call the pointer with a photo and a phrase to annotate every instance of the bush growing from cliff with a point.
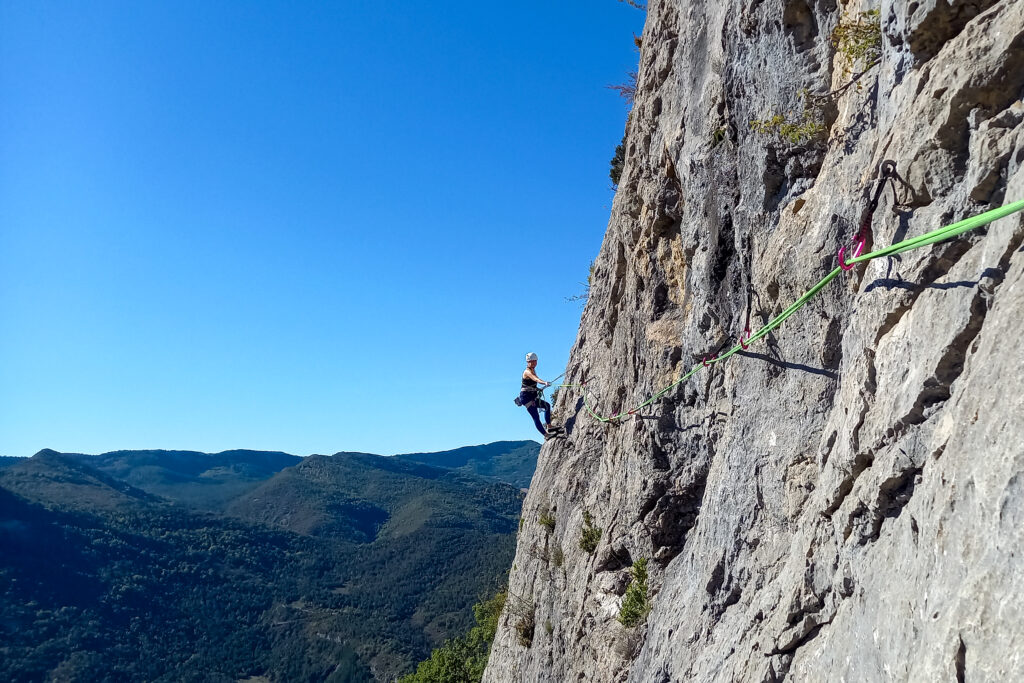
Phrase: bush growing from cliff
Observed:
(581, 297)
(525, 627)
(807, 126)
(859, 41)
(547, 520)
(617, 162)
(521, 616)
(487, 613)
(718, 136)
(636, 605)
(627, 90)
(590, 535)
(464, 659)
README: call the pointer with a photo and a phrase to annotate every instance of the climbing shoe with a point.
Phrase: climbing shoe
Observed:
(552, 430)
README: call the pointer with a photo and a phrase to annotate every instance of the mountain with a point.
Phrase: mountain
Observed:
(53, 478)
(508, 461)
(199, 480)
(356, 496)
(345, 567)
(210, 481)
(6, 460)
(838, 494)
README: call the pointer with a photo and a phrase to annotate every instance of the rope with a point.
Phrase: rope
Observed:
(557, 378)
(938, 235)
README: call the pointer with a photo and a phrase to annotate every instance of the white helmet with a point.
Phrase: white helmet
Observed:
(531, 357)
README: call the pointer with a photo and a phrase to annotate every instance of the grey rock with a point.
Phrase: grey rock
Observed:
(843, 501)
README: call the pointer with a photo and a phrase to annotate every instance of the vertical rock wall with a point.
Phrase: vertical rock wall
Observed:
(845, 500)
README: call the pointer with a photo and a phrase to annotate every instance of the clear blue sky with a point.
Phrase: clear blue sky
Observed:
(307, 227)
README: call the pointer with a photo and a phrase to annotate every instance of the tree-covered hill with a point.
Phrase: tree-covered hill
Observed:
(212, 481)
(152, 593)
(508, 461)
(348, 567)
(199, 480)
(51, 477)
(353, 496)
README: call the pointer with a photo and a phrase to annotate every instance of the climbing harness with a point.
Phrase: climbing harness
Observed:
(530, 357)
(938, 235)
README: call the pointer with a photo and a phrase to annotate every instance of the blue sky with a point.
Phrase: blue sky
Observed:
(307, 227)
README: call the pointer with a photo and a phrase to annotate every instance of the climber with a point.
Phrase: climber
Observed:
(531, 398)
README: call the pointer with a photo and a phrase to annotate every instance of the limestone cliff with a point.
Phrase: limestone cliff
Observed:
(845, 500)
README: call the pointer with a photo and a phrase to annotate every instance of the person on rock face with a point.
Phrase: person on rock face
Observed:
(530, 397)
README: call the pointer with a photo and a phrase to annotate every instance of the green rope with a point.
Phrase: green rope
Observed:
(938, 235)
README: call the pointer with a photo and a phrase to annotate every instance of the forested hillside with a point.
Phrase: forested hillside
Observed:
(348, 567)
(508, 461)
(200, 480)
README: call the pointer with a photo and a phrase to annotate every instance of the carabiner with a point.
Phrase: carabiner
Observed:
(842, 262)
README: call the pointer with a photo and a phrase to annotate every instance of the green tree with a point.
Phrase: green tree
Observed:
(590, 535)
(636, 605)
(463, 660)
(617, 162)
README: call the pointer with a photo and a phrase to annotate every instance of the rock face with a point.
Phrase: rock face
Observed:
(845, 500)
